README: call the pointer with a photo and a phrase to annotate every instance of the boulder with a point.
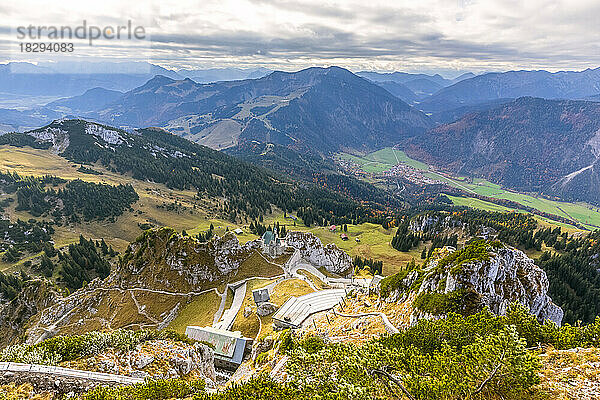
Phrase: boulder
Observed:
(142, 360)
(507, 276)
(266, 309)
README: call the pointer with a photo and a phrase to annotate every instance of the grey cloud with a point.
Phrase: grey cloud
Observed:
(322, 10)
(360, 34)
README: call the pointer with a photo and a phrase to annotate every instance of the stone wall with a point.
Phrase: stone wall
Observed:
(47, 383)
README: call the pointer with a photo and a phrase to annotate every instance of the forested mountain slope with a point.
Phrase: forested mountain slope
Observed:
(155, 155)
(322, 109)
(514, 84)
(529, 144)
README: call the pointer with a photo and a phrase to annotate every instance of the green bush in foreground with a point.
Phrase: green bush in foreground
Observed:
(462, 301)
(459, 331)
(149, 390)
(261, 387)
(477, 357)
(498, 364)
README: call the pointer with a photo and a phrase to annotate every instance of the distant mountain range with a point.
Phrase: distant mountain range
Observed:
(74, 80)
(15, 120)
(400, 91)
(421, 85)
(222, 74)
(529, 144)
(446, 100)
(91, 100)
(514, 84)
(324, 109)
(473, 125)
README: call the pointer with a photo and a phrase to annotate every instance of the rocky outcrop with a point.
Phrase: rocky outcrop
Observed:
(33, 385)
(494, 278)
(264, 309)
(428, 223)
(57, 137)
(156, 277)
(508, 276)
(312, 250)
(35, 296)
(159, 359)
(440, 223)
(163, 260)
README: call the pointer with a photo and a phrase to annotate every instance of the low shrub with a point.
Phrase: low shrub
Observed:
(66, 348)
(160, 389)
(462, 301)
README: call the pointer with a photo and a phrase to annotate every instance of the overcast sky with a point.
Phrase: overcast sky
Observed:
(418, 35)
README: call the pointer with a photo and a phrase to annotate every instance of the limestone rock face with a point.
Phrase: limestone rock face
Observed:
(163, 260)
(509, 276)
(506, 277)
(35, 296)
(108, 135)
(426, 223)
(158, 359)
(58, 137)
(312, 250)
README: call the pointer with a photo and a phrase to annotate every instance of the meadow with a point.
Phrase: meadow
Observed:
(384, 159)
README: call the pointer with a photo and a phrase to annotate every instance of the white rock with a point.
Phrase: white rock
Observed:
(508, 276)
(143, 360)
(312, 250)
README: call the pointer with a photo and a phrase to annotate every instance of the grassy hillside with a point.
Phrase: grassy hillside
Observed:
(199, 312)
(152, 207)
(374, 241)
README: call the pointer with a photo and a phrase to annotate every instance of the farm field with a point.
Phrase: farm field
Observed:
(383, 159)
(586, 214)
(487, 206)
(478, 204)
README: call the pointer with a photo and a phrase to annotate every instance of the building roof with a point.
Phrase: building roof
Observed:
(222, 340)
(294, 311)
(261, 295)
(228, 346)
(267, 237)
